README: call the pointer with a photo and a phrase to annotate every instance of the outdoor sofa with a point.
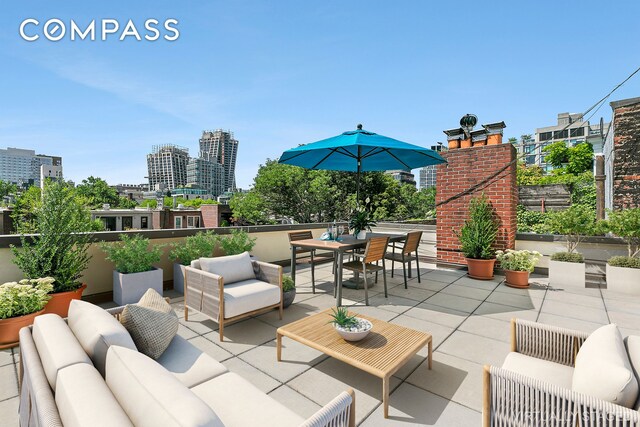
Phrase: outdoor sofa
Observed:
(86, 371)
(560, 377)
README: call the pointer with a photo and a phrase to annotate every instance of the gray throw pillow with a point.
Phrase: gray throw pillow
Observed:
(151, 323)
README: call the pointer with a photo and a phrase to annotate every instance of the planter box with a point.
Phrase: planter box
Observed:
(567, 274)
(129, 288)
(178, 277)
(623, 279)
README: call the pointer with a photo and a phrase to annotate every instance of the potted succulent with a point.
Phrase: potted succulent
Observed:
(360, 223)
(477, 236)
(199, 245)
(20, 303)
(55, 235)
(567, 269)
(134, 272)
(517, 266)
(623, 272)
(350, 327)
(288, 291)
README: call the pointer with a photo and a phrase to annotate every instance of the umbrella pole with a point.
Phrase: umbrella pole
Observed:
(358, 181)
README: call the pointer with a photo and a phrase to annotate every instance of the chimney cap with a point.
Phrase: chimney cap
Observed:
(453, 132)
(496, 125)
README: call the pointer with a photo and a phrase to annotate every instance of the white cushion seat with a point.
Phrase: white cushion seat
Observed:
(151, 396)
(239, 403)
(189, 364)
(632, 343)
(249, 295)
(57, 346)
(539, 369)
(83, 399)
(233, 268)
(603, 369)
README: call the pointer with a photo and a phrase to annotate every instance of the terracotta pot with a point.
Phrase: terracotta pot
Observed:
(10, 328)
(453, 144)
(481, 269)
(465, 143)
(59, 302)
(516, 279)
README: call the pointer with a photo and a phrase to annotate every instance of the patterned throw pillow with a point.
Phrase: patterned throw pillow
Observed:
(151, 322)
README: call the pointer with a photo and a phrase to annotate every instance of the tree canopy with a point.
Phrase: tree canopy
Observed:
(97, 192)
(574, 160)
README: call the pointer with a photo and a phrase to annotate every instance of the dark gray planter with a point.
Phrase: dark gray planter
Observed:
(288, 297)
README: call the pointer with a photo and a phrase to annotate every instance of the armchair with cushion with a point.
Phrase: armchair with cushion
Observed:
(231, 288)
(559, 377)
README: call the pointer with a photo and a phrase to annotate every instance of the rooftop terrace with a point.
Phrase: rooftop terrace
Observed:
(469, 321)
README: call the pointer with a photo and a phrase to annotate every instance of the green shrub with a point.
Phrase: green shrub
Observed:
(200, 245)
(479, 232)
(624, 261)
(530, 221)
(575, 223)
(518, 260)
(287, 284)
(237, 242)
(626, 224)
(132, 254)
(61, 249)
(568, 257)
(24, 297)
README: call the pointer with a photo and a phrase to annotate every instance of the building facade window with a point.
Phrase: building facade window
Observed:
(144, 222)
(127, 222)
(177, 222)
(193, 222)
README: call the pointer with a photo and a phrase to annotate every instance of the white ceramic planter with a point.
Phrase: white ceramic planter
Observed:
(567, 274)
(129, 288)
(623, 279)
(362, 235)
(178, 277)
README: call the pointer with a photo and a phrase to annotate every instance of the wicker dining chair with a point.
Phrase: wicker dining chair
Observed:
(373, 253)
(304, 235)
(405, 256)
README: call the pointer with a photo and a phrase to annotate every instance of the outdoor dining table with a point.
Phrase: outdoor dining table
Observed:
(338, 247)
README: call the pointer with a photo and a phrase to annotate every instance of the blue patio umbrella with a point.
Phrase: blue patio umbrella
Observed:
(360, 151)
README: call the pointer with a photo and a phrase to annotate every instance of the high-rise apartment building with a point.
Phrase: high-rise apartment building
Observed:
(23, 167)
(206, 175)
(167, 166)
(220, 146)
(571, 128)
(403, 177)
(428, 173)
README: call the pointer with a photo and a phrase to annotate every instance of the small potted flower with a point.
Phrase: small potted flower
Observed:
(20, 303)
(288, 291)
(350, 327)
(360, 223)
(517, 266)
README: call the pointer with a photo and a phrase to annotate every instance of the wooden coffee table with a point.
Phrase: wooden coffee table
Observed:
(385, 350)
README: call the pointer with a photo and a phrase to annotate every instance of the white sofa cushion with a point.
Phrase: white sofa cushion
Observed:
(233, 268)
(239, 403)
(248, 295)
(151, 396)
(57, 346)
(188, 363)
(97, 330)
(603, 369)
(83, 399)
(632, 343)
(542, 370)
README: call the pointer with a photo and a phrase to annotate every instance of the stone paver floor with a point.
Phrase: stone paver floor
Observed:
(469, 320)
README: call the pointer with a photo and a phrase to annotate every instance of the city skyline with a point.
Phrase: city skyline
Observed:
(286, 74)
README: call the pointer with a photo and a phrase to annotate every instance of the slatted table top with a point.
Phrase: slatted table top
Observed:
(381, 353)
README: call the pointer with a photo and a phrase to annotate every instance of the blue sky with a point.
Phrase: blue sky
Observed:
(281, 73)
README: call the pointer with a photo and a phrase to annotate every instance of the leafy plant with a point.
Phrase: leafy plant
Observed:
(237, 242)
(342, 318)
(193, 247)
(575, 223)
(479, 232)
(61, 249)
(24, 297)
(360, 221)
(287, 284)
(132, 254)
(578, 159)
(568, 257)
(626, 224)
(624, 261)
(518, 260)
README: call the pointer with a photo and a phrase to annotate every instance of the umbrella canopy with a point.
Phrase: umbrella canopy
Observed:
(360, 151)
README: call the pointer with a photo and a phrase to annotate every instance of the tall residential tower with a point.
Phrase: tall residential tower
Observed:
(220, 146)
(167, 166)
